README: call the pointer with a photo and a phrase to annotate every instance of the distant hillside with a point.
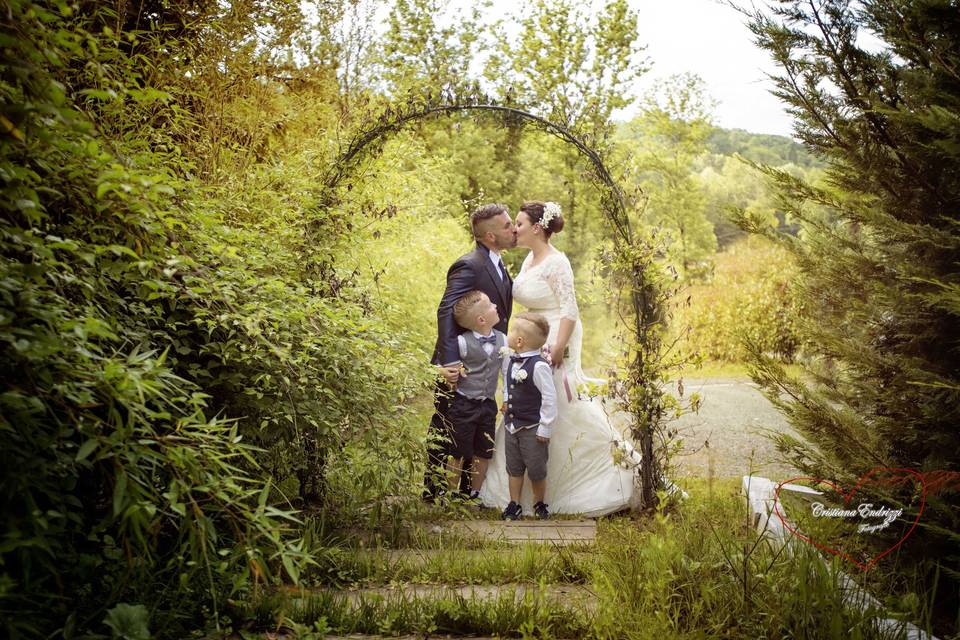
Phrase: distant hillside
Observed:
(761, 147)
(764, 148)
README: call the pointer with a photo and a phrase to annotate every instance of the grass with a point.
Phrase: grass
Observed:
(693, 570)
(729, 370)
(527, 564)
(321, 613)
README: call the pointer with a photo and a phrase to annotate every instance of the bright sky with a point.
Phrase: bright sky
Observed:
(703, 37)
(711, 40)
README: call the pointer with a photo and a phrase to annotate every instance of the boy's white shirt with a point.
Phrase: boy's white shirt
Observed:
(543, 380)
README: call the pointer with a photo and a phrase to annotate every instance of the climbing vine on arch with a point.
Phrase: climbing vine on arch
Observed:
(641, 286)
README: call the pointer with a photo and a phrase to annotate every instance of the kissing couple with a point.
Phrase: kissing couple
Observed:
(579, 454)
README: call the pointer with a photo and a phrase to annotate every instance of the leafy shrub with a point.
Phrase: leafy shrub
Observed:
(150, 329)
(748, 298)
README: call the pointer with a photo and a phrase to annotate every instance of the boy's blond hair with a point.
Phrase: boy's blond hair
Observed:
(539, 328)
(464, 310)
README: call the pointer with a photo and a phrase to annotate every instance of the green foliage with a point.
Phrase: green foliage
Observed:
(878, 251)
(421, 53)
(573, 67)
(702, 571)
(136, 305)
(403, 255)
(762, 148)
(128, 622)
(668, 137)
(748, 300)
(114, 476)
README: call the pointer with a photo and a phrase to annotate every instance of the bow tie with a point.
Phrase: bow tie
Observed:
(490, 339)
(516, 358)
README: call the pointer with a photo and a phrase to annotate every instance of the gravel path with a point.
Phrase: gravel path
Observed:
(729, 427)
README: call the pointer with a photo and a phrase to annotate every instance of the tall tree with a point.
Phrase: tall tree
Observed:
(577, 68)
(881, 269)
(426, 49)
(673, 132)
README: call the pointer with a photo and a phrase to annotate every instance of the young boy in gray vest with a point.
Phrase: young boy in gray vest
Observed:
(473, 411)
(530, 408)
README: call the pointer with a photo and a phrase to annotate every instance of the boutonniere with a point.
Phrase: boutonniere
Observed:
(506, 352)
(519, 375)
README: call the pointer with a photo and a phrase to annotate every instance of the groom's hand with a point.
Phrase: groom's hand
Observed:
(542, 439)
(450, 374)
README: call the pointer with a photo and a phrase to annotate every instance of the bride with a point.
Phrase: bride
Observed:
(581, 474)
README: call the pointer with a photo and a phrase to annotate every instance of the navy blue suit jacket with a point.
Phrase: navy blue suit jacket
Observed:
(469, 272)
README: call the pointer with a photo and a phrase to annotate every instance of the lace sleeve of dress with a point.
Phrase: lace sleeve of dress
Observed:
(559, 276)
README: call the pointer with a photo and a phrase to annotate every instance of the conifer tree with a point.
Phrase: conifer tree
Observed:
(879, 249)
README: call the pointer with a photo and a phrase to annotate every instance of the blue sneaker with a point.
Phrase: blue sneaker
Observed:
(512, 512)
(540, 511)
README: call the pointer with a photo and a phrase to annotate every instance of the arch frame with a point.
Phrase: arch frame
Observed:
(632, 263)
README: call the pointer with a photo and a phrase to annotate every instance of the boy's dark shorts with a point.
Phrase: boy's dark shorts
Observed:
(474, 425)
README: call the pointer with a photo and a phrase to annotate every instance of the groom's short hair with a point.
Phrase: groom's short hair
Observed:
(484, 213)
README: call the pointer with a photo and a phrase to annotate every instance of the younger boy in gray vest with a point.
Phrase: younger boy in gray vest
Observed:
(473, 411)
(530, 405)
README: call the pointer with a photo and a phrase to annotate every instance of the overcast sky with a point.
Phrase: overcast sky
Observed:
(711, 40)
(703, 37)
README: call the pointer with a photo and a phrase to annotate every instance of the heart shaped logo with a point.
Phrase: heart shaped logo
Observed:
(882, 476)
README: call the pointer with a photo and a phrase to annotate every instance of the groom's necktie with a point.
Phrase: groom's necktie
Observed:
(503, 270)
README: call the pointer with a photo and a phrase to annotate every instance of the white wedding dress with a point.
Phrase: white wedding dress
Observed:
(582, 476)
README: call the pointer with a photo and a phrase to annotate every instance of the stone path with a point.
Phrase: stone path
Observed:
(556, 532)
(730, 427)
(404, 576)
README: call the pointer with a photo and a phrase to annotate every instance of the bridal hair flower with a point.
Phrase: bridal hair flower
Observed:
(551, 210)
(519, 375)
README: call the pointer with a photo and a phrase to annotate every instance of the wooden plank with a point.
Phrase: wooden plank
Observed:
(558, 532)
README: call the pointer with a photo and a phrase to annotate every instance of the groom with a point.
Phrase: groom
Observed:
(480, 269)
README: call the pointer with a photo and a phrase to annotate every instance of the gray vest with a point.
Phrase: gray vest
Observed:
(482, 370)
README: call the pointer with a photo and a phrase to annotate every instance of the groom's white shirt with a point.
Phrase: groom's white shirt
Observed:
(495, 259)
(543, 380)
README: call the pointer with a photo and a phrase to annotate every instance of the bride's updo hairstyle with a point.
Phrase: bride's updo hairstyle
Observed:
(535, 211)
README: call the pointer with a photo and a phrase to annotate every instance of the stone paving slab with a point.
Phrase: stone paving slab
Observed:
(559, 532)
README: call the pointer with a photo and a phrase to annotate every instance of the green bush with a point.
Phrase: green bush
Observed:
(749, 298)
(165, 349)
